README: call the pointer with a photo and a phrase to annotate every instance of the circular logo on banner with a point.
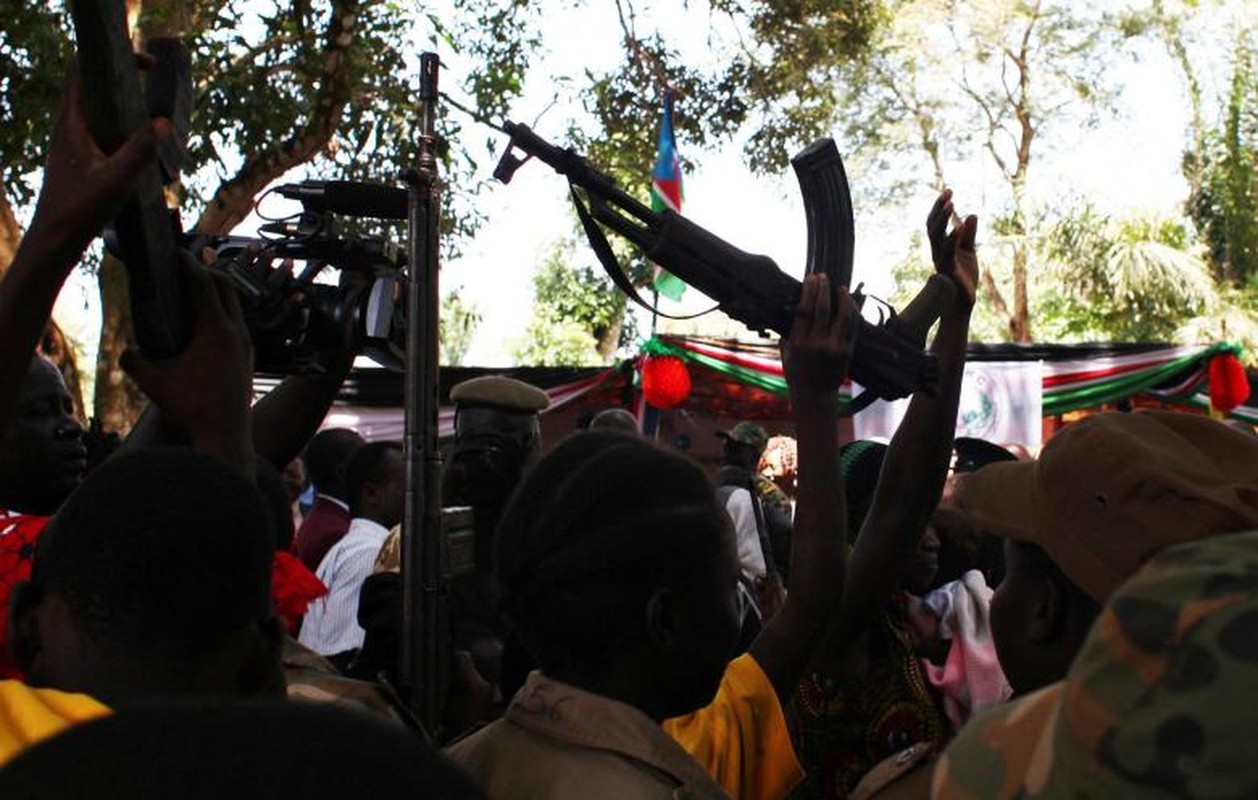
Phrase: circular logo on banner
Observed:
(982, 405)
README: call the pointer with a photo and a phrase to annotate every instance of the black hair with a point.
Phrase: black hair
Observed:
(239, 749)
(962, 548)
(275, 495)
(1081, 610)
(325, 459)
(860, 464)
(368, 464)
(591, 530)
(163, 552)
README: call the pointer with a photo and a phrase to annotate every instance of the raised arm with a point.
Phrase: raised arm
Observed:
(82, 189)
(205, 390)
(289, 415)
(916, 463)
(815, 358)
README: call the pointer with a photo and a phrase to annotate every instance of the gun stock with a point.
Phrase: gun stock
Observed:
(115, 107)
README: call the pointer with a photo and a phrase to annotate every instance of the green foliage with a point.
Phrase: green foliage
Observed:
(556, 343)
(1120, 280)
(771, 79)
(34, 54)
(1094, 277)
(571, 300)
(264, 83)
(459, 320)
(1225, 205)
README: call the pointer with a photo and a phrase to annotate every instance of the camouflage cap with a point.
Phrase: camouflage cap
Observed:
(1156, 704)
(1110, 491)
(499, 391)
(748, 433)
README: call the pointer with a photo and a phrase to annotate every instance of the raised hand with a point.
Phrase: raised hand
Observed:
(953, 251)
(83, 188)
(815, 357)
(206, 390)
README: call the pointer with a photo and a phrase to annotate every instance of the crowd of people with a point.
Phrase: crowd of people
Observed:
(931, 617)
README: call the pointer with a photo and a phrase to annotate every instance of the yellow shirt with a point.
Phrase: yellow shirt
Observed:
(28, 716)
(741, 737)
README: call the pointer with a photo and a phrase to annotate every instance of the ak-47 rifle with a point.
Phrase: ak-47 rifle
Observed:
(143, 230)
(889, 360)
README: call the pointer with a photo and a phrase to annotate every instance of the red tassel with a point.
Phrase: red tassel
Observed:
(1229, 386)
(665, 381)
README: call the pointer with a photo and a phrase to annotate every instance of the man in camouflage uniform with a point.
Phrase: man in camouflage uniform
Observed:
(1158, 703)
(1106, 495)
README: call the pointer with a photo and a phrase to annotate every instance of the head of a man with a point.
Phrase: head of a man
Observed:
(1107, 494)
(325, 459)
(629, 594)
(743, 445)
(615, 419)
(42, 455)
(243, 750)
(153, 579)
(1156, 704)
(497, 435)
(375, 483)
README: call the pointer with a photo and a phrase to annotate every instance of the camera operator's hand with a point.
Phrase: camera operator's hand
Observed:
(83, 188)
(815, 357)
(953, 252)
(206, 389)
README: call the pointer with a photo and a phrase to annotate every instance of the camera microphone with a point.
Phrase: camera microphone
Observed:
(349, 198)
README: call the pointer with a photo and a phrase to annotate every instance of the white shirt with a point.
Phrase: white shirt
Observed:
(746, 534)
(331, 622)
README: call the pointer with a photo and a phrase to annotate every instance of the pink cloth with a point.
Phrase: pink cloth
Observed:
(970, 679)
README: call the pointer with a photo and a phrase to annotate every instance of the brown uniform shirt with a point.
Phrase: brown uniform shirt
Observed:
(558, 741)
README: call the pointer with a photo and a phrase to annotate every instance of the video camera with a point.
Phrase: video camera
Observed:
(296, 323)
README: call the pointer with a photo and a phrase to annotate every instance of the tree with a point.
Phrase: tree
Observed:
(1136, 279)
(952, 81)
(1225, 203)
(578, 314)
(329, 85)
(309, 83)
(459, 320)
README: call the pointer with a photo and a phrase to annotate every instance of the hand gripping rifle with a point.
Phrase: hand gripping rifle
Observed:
(888, 361)
(116, 106)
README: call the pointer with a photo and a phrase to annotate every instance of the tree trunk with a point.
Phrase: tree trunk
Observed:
(118, 400)
(10, 234)
(610, 338)
(55, 346)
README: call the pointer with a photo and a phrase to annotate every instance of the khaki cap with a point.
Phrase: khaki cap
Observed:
(499, 391)
(1110, 491)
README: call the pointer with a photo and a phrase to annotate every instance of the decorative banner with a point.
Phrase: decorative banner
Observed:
(1001, 401)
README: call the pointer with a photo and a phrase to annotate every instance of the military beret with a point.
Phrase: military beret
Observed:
(497, 391)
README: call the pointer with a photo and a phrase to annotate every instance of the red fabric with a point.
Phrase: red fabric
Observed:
(323, 527)
(665, 381)
(1229, 387)
(293, 587)
(18, 534)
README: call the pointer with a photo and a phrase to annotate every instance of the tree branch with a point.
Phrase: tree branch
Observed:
(994, 296)
(234, 199)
